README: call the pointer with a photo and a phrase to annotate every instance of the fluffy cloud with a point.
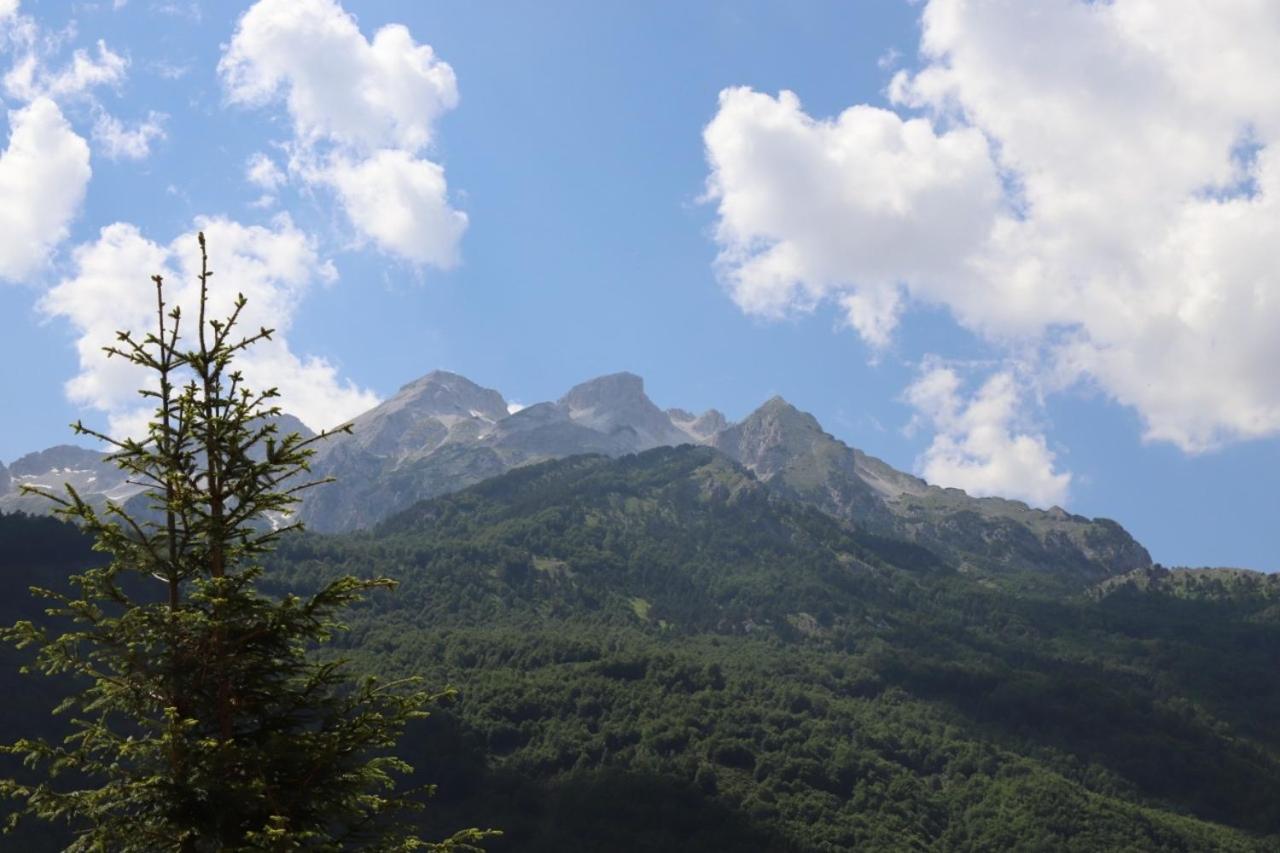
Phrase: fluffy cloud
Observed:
(110, 289)
(977, 444)
(43, 175)
(852, 207)
(119, 142)
(1095, 182)
(399, 202)
(360, 108)
(338, 85)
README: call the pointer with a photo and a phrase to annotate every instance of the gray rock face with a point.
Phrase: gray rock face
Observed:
(443, 432)
(424, 414)
(702, 428)
(617, 406)
(287, 424)
(788, 449)
(89, 472)
(85, 470)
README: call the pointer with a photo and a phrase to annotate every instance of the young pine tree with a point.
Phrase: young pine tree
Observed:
(203, 721)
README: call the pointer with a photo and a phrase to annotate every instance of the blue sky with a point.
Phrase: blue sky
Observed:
(911, 248)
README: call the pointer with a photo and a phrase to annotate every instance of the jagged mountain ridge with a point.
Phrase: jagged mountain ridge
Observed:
(90, 472)
(443, 432)
(789, 449)
(85, 470)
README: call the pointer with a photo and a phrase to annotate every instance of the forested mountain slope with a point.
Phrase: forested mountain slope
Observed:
(662, 652)
(661, 640)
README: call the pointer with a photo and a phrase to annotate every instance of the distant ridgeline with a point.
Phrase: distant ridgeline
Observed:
(442, 433)
(771, 642)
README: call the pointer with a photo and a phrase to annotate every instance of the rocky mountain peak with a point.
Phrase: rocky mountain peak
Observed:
(701, 428)
(614, 390)
(774, 432)
(60, 457)
(443, 432)
(778, 410)
(422, 416)
(616, 404)
(287, 424)
(443, 393)
(88, 471)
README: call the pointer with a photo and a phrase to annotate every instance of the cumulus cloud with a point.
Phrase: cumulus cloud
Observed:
(109, 289)
(852, 208)
(119, 142)
(399, 202)
(43, 175)
(979, 444)
(359, 108)
(1096, 181)
(337, 84)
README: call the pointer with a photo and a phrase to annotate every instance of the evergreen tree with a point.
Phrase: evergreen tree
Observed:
(204, 720)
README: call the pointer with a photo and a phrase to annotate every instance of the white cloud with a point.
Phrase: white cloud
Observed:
(1098, 181)
(262, 172)
(120, 142)
(849, 208)
(978, 445)
(359, 108)
(400, 202)
(110, 290)
(8, 8)
(43, 175)
(338, 85)
(31, 78)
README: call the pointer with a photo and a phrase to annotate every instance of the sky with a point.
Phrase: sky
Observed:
(1021, 249)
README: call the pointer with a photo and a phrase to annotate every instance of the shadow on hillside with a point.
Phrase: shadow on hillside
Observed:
(608, 810)
(1148, 716)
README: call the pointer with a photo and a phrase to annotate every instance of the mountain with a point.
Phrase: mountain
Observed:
(95, 478)
(443, 432)
(1247, 594)
(87, 471)
(789, 449)
(662, 651)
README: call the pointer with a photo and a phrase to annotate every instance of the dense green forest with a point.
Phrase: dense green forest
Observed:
(660, 653)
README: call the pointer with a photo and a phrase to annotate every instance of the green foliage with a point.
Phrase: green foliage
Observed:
(804, 686)
(200, 719)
